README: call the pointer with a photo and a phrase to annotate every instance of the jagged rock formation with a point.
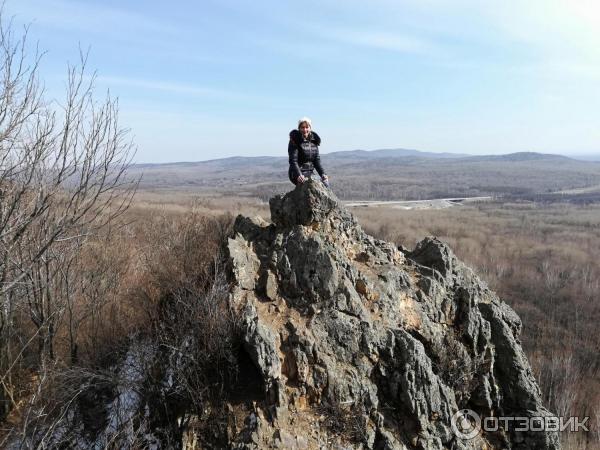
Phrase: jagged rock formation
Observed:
(358, 344)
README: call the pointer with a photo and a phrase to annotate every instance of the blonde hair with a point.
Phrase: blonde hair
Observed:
(304, 120)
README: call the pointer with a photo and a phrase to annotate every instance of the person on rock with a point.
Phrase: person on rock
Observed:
(303, 151)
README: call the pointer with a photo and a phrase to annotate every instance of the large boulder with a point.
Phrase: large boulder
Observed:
(361, 345)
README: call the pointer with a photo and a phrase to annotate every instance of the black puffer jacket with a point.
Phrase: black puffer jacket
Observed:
(304, 155)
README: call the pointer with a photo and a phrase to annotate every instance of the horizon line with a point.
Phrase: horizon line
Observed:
(574, 156)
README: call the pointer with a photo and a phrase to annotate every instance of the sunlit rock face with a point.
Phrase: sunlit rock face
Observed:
(360, 345)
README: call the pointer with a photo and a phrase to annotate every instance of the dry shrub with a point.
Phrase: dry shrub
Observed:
(349, 422)
(159, 279)
(198, 338)
(185, 288)
(179, 253)
(463, 374)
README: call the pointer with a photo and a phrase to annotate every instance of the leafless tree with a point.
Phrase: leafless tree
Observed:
(63, 176)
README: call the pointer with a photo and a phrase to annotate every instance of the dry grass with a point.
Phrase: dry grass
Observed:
(173, 203)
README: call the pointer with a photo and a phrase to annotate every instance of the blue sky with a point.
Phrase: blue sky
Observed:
(207, 79)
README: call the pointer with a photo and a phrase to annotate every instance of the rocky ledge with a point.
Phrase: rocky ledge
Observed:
(356, 343)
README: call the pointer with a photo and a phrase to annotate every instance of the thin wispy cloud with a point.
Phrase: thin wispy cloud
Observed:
(375, 39)
(90, 17)
(562, 37)
(381, 40)
(172, 87)
(566, 28)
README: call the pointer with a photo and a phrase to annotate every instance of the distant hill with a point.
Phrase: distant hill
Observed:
(587, 157)
(521, 156)
(348, 156)
(393, 153)
(387, 174)
(234, 161)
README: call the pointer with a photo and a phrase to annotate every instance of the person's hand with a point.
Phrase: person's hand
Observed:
(301, 179)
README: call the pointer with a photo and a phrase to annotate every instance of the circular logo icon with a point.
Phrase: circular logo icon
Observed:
(466, 424)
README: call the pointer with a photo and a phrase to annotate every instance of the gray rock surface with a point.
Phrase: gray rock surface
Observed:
(361, 345)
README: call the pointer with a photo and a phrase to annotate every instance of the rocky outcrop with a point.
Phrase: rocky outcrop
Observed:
(361, 345)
